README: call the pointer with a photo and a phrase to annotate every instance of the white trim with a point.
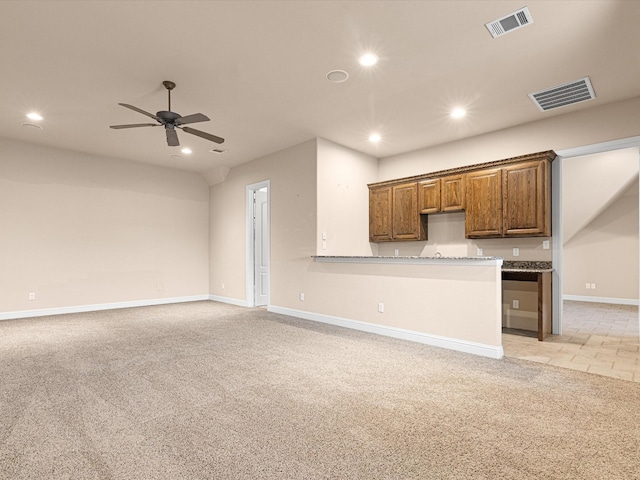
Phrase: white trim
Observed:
(556, 240)
(484, 350)
(557, 216)
(599, 147)
(99, 306)
(249, 260)
(616, 301)
(229, 300)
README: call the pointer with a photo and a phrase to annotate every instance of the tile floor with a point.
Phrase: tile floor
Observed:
(599, 338)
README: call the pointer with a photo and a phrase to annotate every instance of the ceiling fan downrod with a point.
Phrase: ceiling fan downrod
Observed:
(169, 85)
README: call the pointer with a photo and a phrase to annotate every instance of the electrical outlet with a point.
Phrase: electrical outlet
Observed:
(158, 286)
(381, 307)
(396, 252)
(516, 252)
(516, 304)
(32, 295)
(301, 296)
(479, 252)
(588, 285)
(545, 244)
(593, 286)
(324, 244)
(324, 235)
(223, 285)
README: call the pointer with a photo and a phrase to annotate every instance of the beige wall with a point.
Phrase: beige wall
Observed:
(292, 174)
(585, 127)
(81, 230)
(590, 183)
(343, 175)
(605, 253)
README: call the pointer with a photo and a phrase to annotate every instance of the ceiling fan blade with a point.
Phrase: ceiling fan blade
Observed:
(136, 109)
(134, 125)
(172, 137)
(206, 135)
(196, 117)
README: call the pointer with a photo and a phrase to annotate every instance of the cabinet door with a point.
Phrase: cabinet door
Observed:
(484, 204)
(452, 193)
(380, 214)
(526, 199)
(406, 218)
(429, 195)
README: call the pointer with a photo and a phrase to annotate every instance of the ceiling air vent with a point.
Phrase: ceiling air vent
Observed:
(563, 95)
(511, 22)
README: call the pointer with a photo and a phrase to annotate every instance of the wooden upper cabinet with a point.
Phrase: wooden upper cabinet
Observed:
(526, 190)
(429, 195)
(406, 221)
(380, 211)
(505, 198)
(444, 194)
(484, 204)
(452, 197)
(394, 215)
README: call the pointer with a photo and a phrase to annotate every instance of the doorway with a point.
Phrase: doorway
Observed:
(560, 210)
(258, 244)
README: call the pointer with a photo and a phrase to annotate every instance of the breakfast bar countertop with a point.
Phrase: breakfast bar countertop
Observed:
(507, 265)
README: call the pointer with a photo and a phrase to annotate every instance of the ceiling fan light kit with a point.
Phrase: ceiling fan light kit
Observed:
(171, 120)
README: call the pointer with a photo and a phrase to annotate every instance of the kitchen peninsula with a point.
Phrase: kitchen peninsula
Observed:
(450, 302)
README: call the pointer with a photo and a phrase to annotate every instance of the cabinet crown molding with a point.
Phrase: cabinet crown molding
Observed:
(546, 155)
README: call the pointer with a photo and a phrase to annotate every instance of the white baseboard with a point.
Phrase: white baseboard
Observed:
(484, 350)
(100, 306)
(617, 301)
(231, 301)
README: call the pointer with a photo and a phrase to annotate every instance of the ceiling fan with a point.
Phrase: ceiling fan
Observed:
(171, 120)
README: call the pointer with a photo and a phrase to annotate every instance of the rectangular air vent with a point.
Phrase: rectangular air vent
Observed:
(563, 95)
(509, 23)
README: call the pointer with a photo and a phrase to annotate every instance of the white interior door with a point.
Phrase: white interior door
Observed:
(261, 246)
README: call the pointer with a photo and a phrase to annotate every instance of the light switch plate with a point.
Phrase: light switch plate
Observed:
(516, 252)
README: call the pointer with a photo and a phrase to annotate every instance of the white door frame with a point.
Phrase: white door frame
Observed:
(556, 218)
(250, 229)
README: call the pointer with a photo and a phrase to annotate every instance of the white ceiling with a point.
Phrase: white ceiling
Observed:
(258, 70)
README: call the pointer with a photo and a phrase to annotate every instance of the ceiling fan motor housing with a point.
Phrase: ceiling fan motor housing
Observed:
(168, 117)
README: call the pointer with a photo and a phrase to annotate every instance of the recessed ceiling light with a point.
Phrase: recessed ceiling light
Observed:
(34, 116)
(186, 151)
(458, 113)
(368, 59)
(337, 76)
(375, 138)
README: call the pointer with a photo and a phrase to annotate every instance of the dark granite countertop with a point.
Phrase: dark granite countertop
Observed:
(526, 266)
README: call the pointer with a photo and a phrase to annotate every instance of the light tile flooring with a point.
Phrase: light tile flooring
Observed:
(598, 338)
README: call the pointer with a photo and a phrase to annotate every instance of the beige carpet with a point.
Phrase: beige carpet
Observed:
(211, 391)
